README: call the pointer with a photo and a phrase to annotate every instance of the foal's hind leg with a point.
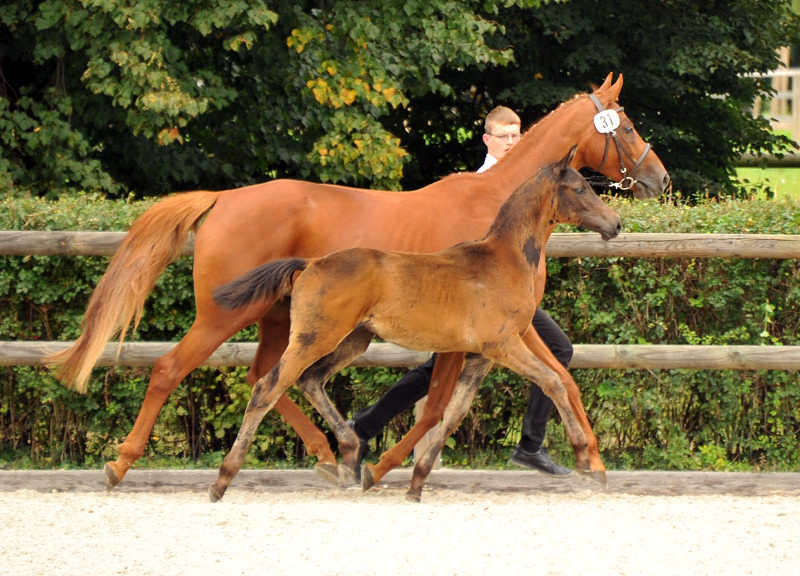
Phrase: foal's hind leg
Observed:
(475, 369)
(265, 394)
(443, 380)
(273, 338)
(312, 384)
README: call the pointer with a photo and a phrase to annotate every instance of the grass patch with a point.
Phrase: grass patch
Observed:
(784, 182)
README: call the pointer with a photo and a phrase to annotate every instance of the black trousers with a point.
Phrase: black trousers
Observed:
(414, 385)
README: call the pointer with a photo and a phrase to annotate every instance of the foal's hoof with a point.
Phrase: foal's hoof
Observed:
(597, 476)
(328, 472)
(347, 476)
(111, 477)
(367, 478)
(413, 496)
(213, 495)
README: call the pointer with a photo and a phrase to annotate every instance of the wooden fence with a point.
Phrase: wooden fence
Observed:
(380, 354)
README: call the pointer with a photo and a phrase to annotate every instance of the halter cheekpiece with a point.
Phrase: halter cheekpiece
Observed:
(628, 180)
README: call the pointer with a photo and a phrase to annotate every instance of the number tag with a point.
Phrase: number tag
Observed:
(606, 121)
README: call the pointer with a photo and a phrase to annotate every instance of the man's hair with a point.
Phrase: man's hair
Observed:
(499, 116)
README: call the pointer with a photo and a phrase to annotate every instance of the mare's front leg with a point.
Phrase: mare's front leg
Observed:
(475, 369)
(539, 349)
(443, 381)
(312, 384)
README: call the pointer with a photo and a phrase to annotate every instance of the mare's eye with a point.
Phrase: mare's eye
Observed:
(629, 129)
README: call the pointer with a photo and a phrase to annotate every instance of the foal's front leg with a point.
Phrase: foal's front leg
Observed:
(515, 355)
(475, 369)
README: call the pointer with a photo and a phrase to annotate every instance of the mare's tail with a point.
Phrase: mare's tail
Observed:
(154, 240)
(269, 281)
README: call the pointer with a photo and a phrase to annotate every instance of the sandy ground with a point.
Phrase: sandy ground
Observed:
(481, 523)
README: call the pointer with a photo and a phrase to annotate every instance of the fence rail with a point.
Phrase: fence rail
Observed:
(784, 111)
(568, 244)
(23, 243)
(606, 356)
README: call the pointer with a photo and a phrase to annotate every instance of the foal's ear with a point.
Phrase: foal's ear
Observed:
(567, 160)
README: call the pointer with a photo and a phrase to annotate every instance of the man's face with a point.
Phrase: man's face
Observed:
(502, 138)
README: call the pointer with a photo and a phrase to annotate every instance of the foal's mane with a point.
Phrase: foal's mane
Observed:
(533, 187)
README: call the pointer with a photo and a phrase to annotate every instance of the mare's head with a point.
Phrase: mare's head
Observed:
(611, 145)
(576, 202)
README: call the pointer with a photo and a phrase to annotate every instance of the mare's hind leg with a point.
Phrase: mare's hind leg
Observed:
(273, 338)
(516, 356)
(168, 371)
(443, 380)
(534, 343)
(312, 384)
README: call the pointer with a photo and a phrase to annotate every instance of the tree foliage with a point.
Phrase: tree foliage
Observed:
(152, 97)
(686, 66)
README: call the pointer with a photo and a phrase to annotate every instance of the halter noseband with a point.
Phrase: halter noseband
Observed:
(628, 181)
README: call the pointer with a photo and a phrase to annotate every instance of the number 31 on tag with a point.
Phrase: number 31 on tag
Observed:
(606, 121)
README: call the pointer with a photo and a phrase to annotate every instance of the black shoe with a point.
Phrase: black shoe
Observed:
(363, 448)
(539, 461)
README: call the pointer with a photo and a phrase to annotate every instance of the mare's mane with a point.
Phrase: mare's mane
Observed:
(518, 148)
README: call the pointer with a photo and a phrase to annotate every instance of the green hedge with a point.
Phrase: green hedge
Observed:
(676, 419)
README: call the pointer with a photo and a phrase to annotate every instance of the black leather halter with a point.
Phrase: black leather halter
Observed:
(628, 178)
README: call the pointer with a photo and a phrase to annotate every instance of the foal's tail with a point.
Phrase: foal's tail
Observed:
(269, 281)
(154, 240)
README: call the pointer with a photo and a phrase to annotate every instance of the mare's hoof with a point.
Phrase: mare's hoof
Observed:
(328, 472)
(111, 477)
(414, 497)
(367, 479)
(213, 495)
(596, 476)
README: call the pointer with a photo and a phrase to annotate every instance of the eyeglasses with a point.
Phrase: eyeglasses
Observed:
(507, 137)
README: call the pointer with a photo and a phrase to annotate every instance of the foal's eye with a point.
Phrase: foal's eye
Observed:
(580, 191)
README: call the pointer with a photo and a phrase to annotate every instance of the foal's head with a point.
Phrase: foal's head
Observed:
(576, 203)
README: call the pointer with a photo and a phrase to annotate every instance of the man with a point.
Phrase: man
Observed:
(502, 131)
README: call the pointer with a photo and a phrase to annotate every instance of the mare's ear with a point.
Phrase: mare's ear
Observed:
(609, 93)
(564, 163)
(606, 83)
(617, 88)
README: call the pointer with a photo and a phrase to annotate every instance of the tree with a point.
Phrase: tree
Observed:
(153, 97)
(686, 65)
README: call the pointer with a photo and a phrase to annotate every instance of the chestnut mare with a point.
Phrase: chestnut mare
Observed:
(249, 226)
(475, 297)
